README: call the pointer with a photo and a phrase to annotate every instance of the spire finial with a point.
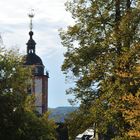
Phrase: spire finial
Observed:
(31, 15)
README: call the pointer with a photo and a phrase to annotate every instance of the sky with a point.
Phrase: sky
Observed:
(50, 16)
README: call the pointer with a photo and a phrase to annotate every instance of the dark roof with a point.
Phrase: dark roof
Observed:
(32, 59)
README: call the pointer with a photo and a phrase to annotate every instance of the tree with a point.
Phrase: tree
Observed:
(102, 56)
(17, 118)
(132, 114)
(12, 90)
(75, 121)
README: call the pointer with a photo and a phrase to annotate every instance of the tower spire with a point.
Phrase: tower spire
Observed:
(31, 15)
(31, 43)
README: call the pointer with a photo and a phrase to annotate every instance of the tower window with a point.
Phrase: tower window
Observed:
(36, 70)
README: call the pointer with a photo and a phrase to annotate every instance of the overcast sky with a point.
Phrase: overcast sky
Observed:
(50, 15)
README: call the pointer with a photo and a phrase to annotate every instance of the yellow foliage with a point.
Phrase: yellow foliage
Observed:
(132, 114)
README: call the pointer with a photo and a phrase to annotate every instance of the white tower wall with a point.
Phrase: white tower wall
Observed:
(40, 91)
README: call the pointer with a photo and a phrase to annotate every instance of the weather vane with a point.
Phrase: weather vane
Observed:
(31, 15)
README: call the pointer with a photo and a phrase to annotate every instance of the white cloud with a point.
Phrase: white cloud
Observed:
(16, 10)
(50, 15)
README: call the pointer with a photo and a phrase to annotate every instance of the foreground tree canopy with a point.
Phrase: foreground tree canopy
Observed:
(17, 118)
(103, 57)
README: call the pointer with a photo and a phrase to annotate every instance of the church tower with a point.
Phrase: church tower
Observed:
(39, 85)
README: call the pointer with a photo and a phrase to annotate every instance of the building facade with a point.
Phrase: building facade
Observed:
(39, 82)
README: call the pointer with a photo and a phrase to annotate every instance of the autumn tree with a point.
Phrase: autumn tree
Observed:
(132, 114)
(102, 57)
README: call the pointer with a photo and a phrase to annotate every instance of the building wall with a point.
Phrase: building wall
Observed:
(44, 93)
(38, 94)
(40, 90)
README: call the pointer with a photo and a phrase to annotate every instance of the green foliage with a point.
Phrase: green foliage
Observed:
(17, 118)
(103, 56)
(77, 122)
